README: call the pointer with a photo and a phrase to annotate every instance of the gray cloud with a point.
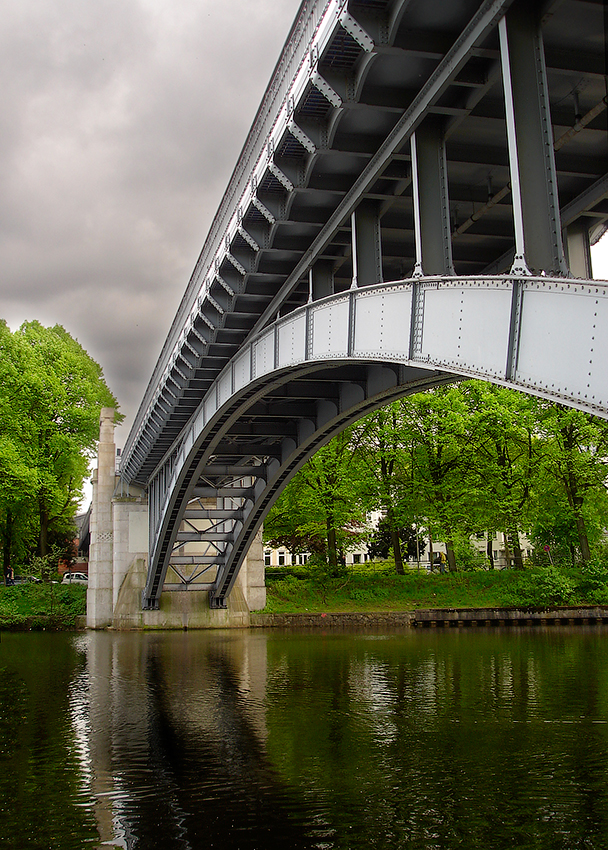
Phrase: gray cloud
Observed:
(121, 123)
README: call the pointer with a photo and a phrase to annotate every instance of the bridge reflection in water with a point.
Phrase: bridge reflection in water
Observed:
(257, 740)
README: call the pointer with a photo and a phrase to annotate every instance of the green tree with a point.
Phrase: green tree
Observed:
(51, 393)
(439, 485)
(382, 450)
(382, 540)
(320, 509)
(573, 463)
(503, 453)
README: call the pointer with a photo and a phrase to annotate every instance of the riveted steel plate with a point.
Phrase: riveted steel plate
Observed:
(292, 341)
(382, 322)
(242, 369)
(210, 406)
(330, 329)
(225, 387)
(263, 353)
(563, 348)
(467, 327)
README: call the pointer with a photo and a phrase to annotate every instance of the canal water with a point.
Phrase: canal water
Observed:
(264, 739)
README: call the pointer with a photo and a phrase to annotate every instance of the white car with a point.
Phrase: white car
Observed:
(75, 578)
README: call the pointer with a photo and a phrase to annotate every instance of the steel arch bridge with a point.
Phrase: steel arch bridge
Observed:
(414, 203)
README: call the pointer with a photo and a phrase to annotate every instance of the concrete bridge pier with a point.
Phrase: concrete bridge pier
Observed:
(101, 565)
(118, 561)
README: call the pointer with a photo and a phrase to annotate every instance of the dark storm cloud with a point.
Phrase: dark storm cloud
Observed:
(121, 123)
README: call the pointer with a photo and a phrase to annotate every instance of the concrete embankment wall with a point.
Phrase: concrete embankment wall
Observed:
(437, 617)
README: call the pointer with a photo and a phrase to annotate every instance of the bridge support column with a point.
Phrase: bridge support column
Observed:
(579, 249)
(322, 280)
(252, 575)
(367, 261)
(100, 588)
(431, 201)
(130, 533)
(530, 141)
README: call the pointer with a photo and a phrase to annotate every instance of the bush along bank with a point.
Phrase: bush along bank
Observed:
(41, 606)
(376, 587)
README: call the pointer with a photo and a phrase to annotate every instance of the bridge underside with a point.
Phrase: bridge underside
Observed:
(463, 143)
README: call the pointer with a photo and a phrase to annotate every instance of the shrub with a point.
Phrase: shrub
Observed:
(544, 586)
(467, 556)
(593, 585)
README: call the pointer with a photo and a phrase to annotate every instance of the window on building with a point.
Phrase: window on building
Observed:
(281, 559)
(357, 558)
(267, 558)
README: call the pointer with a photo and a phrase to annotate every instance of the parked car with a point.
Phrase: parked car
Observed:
(75, 578)
(27, 580)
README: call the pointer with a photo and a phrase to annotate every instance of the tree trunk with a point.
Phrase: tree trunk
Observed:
(518, 559)
(332, 548)
(396, 546)
(7, 546)
(489, 550)
(574, 494)
(583, 540)
(431, 550)
(43, 540)
(449, 551)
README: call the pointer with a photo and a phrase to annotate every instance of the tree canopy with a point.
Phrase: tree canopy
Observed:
(51, 393)
(472, 458)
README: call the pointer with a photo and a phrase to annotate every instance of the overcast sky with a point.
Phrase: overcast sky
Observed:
(121, 122)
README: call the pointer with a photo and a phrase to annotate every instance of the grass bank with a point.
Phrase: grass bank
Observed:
(41, 606)
(365, 588)
(380, 589)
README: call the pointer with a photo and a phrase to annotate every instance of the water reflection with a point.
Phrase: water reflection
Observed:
(259, 740)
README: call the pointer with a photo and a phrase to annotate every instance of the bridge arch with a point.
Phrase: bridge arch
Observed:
(322, 367)
(465, 146)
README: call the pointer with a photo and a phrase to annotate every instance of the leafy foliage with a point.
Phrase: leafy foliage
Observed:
(321, 510)
(51, 393)
(454, 461)
(39, 606)
(382, 540)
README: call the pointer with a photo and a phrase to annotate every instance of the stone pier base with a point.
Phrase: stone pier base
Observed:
(187, 609)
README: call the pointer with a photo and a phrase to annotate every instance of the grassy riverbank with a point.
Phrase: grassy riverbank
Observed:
(41, 606)
(364, 588)
(377, 588)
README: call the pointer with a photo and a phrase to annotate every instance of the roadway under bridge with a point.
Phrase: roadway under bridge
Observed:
(415, 203)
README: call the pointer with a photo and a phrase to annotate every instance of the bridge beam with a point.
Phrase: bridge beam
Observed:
(579, 248)
(366, 244)
(321, 280)
(431, 201)
(530, 140)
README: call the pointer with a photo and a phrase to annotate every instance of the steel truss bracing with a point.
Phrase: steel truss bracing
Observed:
(462, 143)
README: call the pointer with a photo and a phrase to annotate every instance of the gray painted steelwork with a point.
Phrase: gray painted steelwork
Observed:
(456, 138)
